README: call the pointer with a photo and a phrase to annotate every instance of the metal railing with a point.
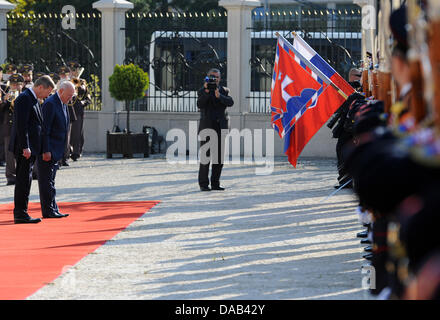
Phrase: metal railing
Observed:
(177, 49)
(41, 40)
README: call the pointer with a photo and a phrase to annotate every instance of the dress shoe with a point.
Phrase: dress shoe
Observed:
(65, 164)
(362, 234)
(10, 183)
(52, 215)
(205, 189)
(74, 157)
(368, 249)
(63, 215)
(27, 219)
(368, 256)
(365, 241)
(218, 188)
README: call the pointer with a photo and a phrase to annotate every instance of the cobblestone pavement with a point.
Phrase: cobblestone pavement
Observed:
(265, 237)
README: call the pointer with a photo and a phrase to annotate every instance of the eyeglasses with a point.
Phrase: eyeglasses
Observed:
(213, 76)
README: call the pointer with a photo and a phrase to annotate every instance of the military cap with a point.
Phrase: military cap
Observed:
(26, 68)
(10, 68)
(63, 70)
(398, 23)
(55, 77)
(73, 65)
(385, 174)
(39, 75)
(16, 78)
(419, 220)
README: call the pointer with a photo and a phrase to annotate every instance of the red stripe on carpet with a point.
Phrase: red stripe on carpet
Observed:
(33, 255)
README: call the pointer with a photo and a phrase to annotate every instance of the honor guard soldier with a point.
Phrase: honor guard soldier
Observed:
(64, 73)
(2, 83)
(2, 91)
(27, 72)
(9, 70)
(16, 82)
(55, 77)
(79, 103)
(38, 75)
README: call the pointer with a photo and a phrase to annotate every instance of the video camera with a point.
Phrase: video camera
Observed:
(212, 83)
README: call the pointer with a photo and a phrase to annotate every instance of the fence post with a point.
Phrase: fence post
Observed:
(239, 55)
(5, 7)
(113, 53)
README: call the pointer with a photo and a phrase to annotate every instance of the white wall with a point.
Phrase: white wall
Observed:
(322, 145)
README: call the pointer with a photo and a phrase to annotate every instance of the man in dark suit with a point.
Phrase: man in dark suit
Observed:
(25, 143)
(54, 139)
(212, 102)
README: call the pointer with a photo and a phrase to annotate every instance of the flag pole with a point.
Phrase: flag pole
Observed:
(311, 66)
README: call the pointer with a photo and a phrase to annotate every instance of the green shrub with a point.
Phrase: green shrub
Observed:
(128, 83)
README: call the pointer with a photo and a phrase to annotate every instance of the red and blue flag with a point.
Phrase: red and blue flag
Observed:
(303, 98)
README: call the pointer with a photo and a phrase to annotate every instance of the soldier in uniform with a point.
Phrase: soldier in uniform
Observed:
(79, 102)
(9, 70)
(400, 111)
(16, 82)
(38, 75)
(396, 178)
(2, 88)
(27, 72)
(64, 73)
(55, 77)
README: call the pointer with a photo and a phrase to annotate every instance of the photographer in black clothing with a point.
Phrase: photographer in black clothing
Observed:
(213, 99)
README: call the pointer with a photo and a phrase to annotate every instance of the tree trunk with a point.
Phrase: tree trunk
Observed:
(127, 106)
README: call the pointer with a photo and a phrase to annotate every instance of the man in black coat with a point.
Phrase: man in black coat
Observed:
(213, 99)
(26, 143)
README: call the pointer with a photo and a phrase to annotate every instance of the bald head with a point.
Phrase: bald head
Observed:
(66, 90)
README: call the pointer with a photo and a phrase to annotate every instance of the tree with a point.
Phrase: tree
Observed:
(128, 83)
(46, 6)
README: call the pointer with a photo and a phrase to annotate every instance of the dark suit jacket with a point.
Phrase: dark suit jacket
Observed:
(55, 125)
(213, 109)
(27, 126)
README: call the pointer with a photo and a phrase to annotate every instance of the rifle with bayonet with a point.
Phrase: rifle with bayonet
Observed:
(416, 41)
(434, 53)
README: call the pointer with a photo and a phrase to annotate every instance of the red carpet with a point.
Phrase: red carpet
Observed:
(33, 255)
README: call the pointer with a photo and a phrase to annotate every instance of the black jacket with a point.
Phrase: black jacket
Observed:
(27, 126)
(213, 109)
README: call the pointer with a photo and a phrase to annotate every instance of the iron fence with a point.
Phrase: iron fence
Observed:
(42, 41)
(177, 49)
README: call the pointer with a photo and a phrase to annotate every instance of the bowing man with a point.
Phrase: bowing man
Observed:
(54, 139)
(25, 143)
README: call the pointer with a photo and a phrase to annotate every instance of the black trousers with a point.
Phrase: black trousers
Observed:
(46, 183)
(215, 162)
(343, 140)
(23, 183)
(77, 136)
